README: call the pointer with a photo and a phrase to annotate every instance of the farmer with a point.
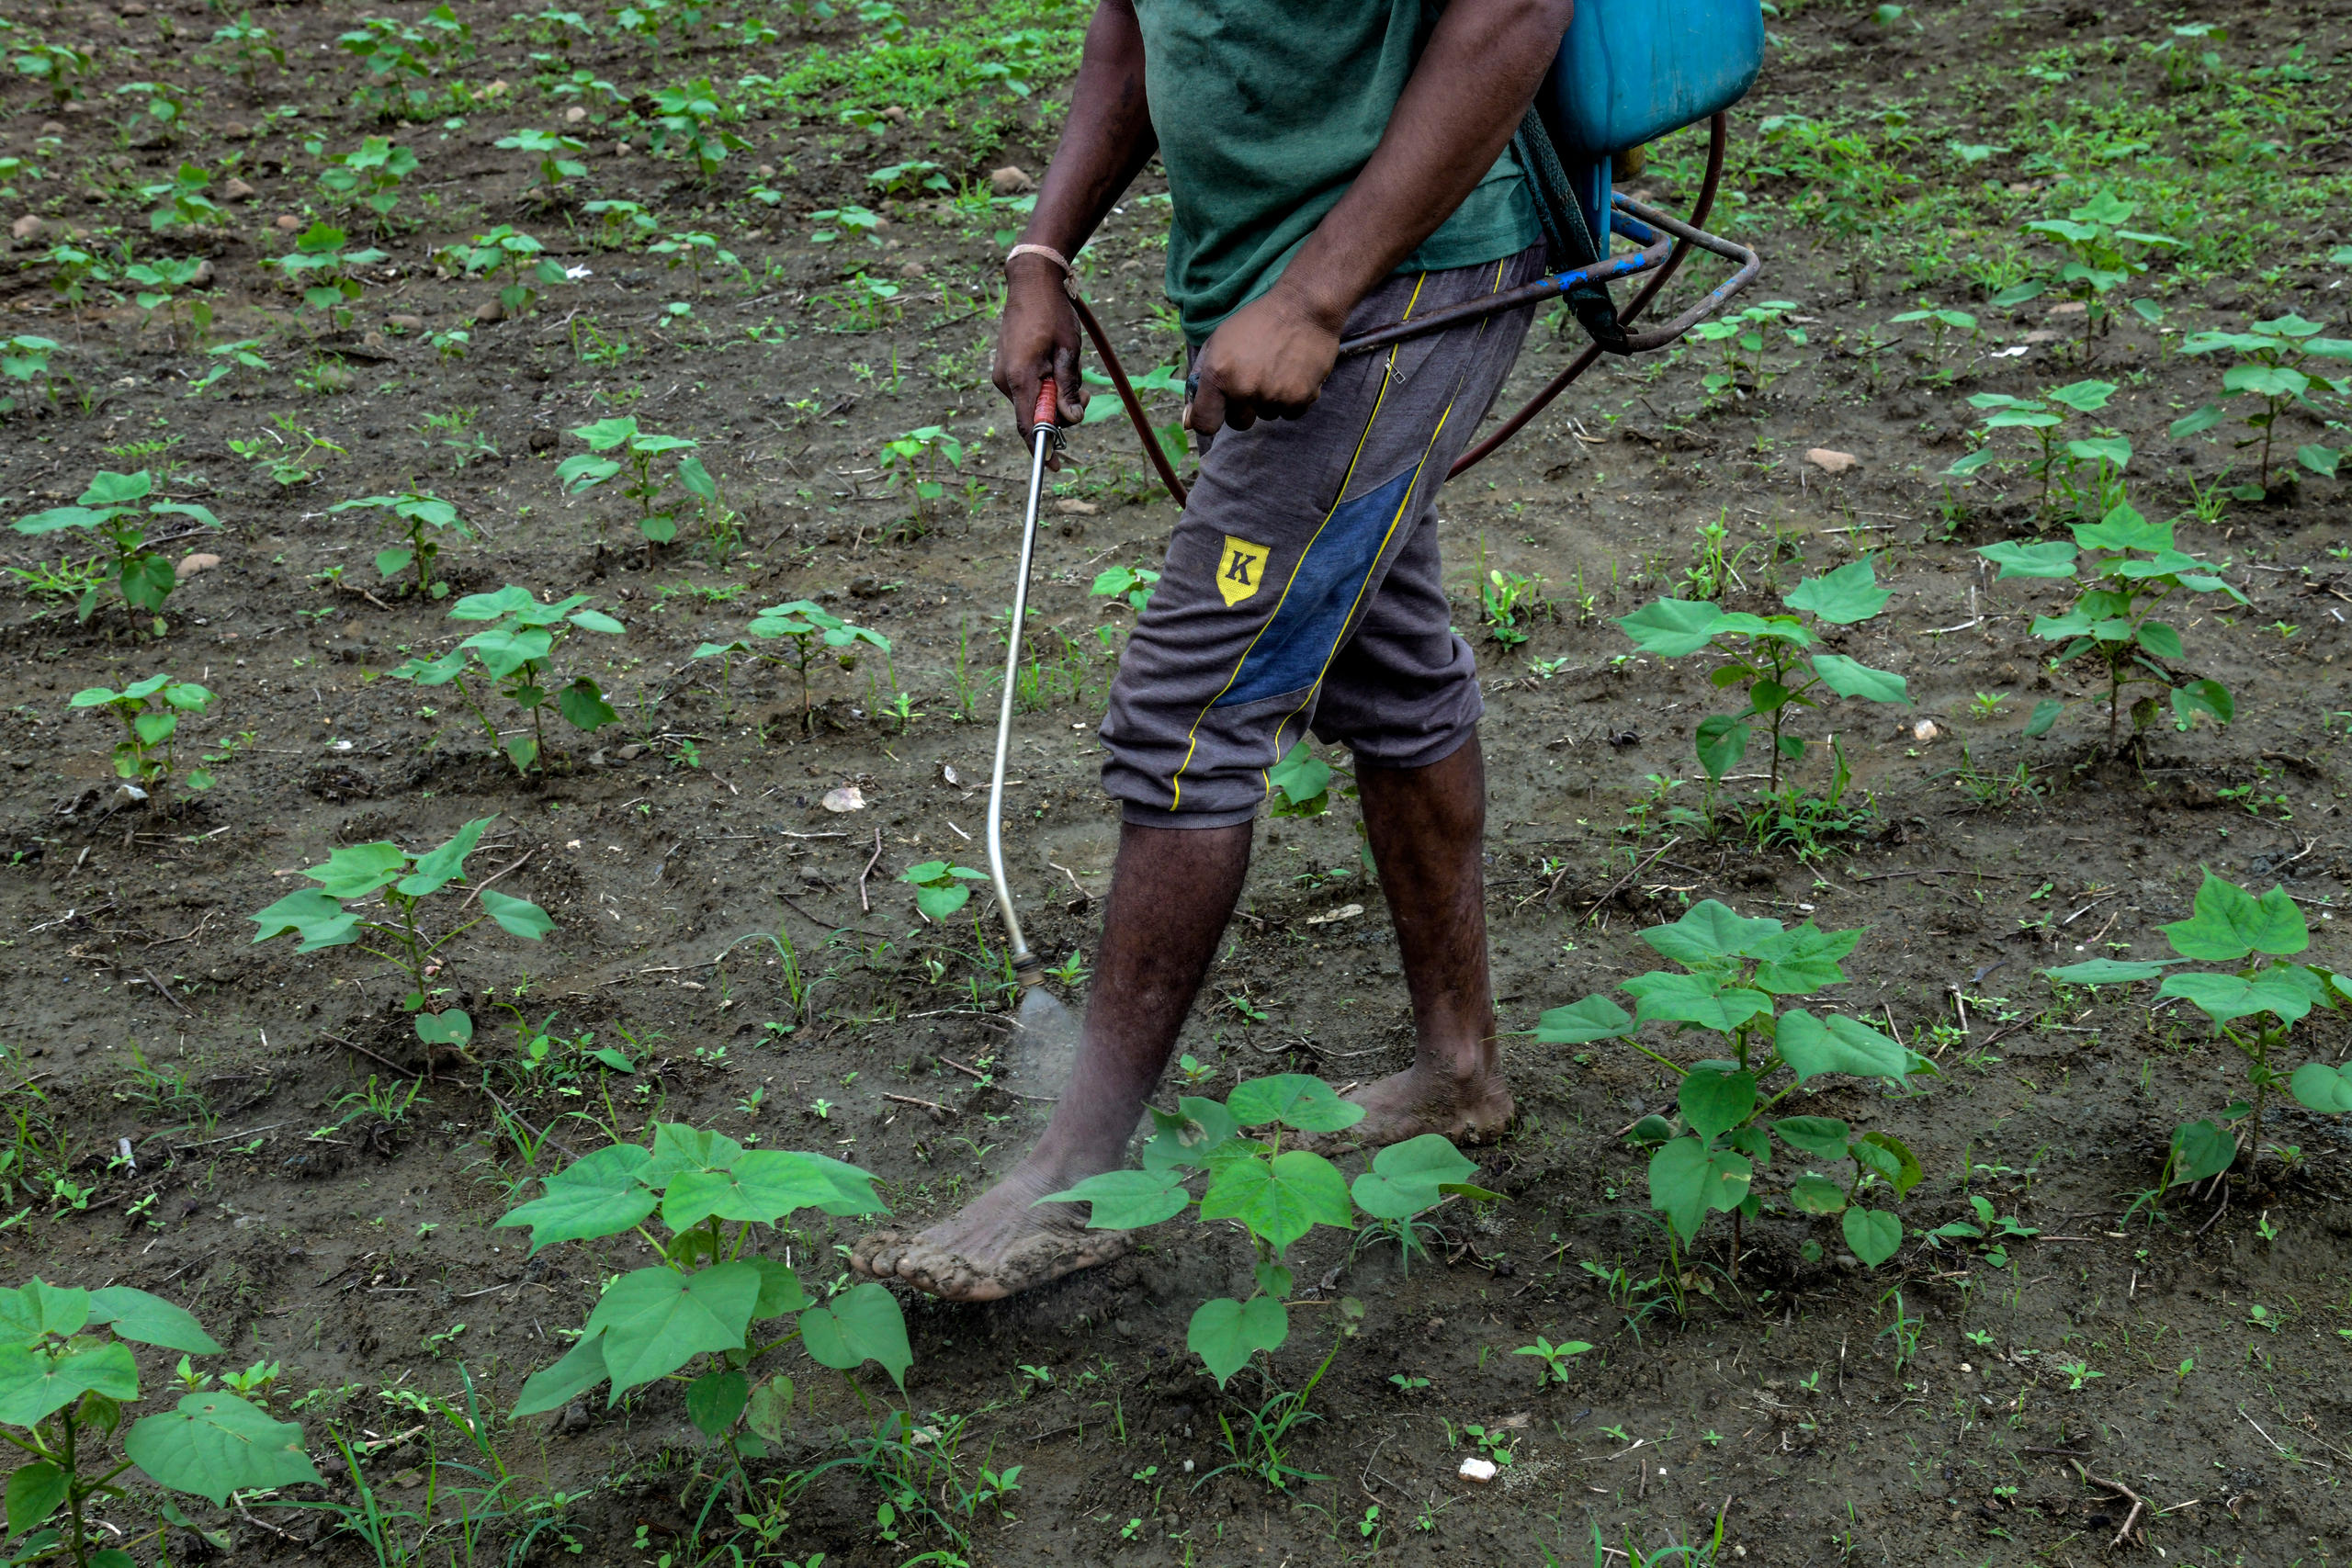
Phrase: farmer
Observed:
(1333, 164)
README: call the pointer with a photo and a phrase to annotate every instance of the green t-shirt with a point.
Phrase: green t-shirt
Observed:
(1265, 114)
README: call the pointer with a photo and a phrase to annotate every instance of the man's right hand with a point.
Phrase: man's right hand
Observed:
(1037, 336)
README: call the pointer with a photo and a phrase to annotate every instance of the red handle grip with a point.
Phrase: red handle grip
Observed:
(1045, 399)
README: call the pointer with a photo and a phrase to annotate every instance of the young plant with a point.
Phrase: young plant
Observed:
(403, 60)
(807, 627)
(117, 509)
(1132, 583)
(1405, 1181)
(941, 889)
(688, 118)
(184, 204)
(417, 518)
(709, 1290)
(370, 175)
(912, 461)
(585, 472)
(164, 108)
(1742, 335)
(1769, 656)
(620, 225)
(693, 249)
(319, 268)
(1555, 1359)
(2255, 1005)
(516, 652)
(508, 251)
(374, 896)
(2273, 368)
(250, 43)
(161, 283)
(557, 154)
(2105, 255)
(228, 358)
(2132, 568)
(1940, 324)
(70, 1375)
(150, 711)
(1735, 972)
(61, 68)
(2060, 455)
(24, 359)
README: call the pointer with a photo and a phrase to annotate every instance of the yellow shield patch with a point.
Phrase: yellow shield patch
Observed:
(1239, 569)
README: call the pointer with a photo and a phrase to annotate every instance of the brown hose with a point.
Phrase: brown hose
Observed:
(1718, 136)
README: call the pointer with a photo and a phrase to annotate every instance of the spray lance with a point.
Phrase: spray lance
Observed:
(1045, 1036)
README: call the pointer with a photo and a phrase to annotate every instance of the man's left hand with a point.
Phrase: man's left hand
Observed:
(1268, 360)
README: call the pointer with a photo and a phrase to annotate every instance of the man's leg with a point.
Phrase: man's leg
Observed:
(1427, 832)
(1172, 890)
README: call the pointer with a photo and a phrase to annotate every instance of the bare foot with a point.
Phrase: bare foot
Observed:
(997, 1246)
(1473, 1109)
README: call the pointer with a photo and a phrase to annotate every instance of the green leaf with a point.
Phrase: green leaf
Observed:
(1812, 1046)
(696, 478)
(1703, 1000)
(1872, 1235)
(2045, 715)
(516, 917)
(33, 1382)
(1822, 1136)
(2115, 449)
(1579, 1023)
(762, 1186)
(770, 1408)
(2323, 1086)
(552, 1388)
(214, 1444)
(1302, 779)
(438, 868)
(1722, 741)
(1127, 1199)
(1672, 628)
(34, 1492)
(863, 1323)
(2224, 998)
(2052, 557)
(2210, 699)
(2226, 924)
(1713, 1101)
(1842, 597)
(853, 1191)
(1282, 1199)
(601, 1194)
(1687, 1178)
(2318, 460)
(1892, 1158)
(1225, 1333)
(1850, 678)
(780, 1291)
(357, 870)
(2108, 971)
(151, 1320)
(583, 706)
(656, 1320)
(2200, 1149)
(2083, 397)
(1811, 1194)
(1803, 960)
(597, 621)
(1294, 1100)
(1710, 930)
(714, 1399)
(454, 1027)
(55, 1309)
(1407, 1177)
(2159, 639)
(2197, 423)
(1186, 1135)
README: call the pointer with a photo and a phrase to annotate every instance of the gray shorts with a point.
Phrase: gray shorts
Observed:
(1302, 588)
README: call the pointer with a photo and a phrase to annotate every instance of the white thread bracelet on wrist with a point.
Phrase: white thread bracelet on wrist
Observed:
(1069, 276)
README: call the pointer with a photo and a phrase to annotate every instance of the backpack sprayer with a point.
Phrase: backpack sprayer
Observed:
(1628, 72)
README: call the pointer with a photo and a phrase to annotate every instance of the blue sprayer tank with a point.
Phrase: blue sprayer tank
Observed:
(1630, 70)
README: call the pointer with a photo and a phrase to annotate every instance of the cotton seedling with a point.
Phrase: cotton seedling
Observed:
(620, 225)
(149, 713)
(119, 509)
(249, 43)
(1555, 1359)
(711, 1287)
(2105, 255)
(912, 461)
(377, 896)
(2274, 369)
(941, 889)
(1132, 583)
(2127, 569)
(227, 359)
(1735, 972)
(691, 250)
(2254, 1005)
(320, 268)
(507, 251)
(73, 1374)
(558, 155)
(1742, 335)
(1407, 1180)
(687, 120)
(60, 68)
(1941, 323)
(162, 111)
(403, 59)
(635, 451)
(24, 359)
(2061, 456)
(162, 285)
(517, 653)
(183, 201)
(1774, 658)
(807, 626)
(368, 175)
(416, 517)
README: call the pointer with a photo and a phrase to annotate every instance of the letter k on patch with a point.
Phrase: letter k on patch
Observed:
(1239, 569)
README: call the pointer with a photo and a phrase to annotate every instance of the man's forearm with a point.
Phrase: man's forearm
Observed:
(1107, 140)
(1458, 110)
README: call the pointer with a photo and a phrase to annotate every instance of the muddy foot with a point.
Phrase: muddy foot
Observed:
(1405, 1105)
(998, 1245)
